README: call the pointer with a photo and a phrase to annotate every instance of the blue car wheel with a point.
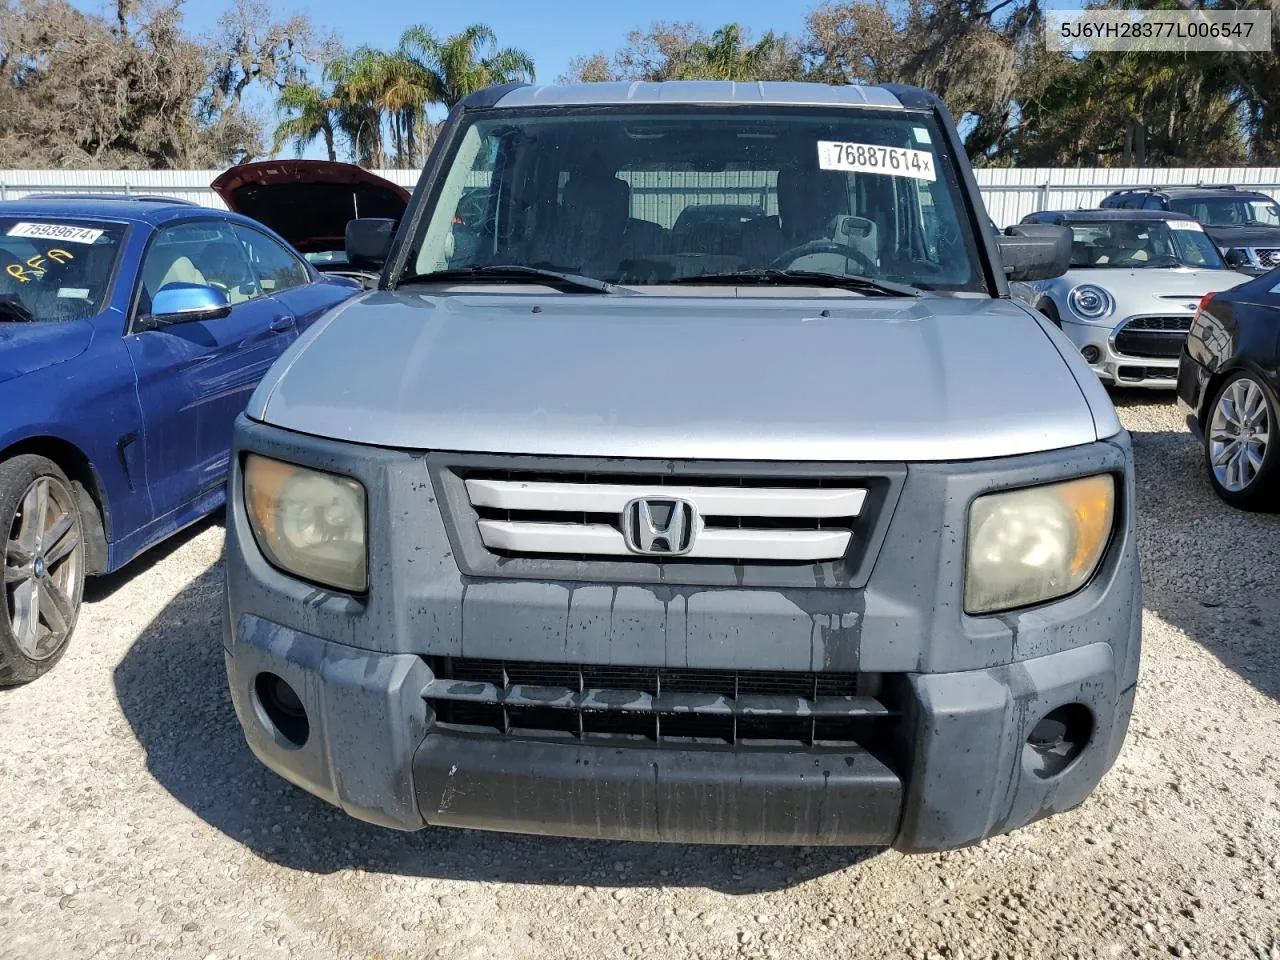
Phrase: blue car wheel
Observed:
(44, 563)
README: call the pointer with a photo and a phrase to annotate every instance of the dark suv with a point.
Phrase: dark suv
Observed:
(1245, 224)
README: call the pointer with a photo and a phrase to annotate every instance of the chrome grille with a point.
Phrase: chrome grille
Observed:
(525, 516)
(1268, 256)
(533, 700)
(754, 524)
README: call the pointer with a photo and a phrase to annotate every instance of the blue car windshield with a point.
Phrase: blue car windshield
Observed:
(52, 268)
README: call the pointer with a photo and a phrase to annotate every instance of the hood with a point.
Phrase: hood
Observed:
(837, 379)
(1244, 236)
(1154, 290)
(28, 347)
(308, 202)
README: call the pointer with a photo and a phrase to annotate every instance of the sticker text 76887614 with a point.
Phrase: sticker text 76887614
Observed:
(873, 158)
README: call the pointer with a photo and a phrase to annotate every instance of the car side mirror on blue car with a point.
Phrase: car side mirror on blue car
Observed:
(1035, 251)
(185, 302)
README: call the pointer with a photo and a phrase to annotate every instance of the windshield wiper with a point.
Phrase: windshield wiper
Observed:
(11, 308)
(806, 278)
(501, 272)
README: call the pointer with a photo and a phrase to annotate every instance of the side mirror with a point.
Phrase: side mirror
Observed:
(1236, 258)
(1036, 251)
(368, 241)
(184, 302)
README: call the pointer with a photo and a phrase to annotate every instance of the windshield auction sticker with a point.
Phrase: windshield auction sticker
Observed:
(55, 231)
(873, 158)
(1184, 225)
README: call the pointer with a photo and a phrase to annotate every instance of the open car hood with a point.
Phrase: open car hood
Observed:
(308, 202)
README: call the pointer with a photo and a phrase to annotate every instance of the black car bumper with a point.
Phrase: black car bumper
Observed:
(1193, 385)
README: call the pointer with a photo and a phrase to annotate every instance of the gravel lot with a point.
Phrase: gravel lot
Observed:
(135, 823)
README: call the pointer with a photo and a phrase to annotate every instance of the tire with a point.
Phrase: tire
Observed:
(1245, 473)
(43, 564)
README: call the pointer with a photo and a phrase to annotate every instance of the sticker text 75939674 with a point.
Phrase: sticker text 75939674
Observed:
(68, 232)
(874, 158)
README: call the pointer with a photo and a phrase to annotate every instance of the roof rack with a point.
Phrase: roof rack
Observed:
(138, 197)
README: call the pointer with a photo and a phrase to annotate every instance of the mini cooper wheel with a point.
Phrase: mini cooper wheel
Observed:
(1239, 444)
(43, 566)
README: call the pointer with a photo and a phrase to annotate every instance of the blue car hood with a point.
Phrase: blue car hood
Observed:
(28, 347)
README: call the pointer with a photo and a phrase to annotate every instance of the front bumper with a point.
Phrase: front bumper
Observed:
(965, 774)
(951, 769)
(1116, 368)
(1193, 385)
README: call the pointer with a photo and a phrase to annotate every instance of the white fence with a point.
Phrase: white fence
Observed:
(1010, 194)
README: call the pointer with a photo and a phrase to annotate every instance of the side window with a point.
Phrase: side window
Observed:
(200, 251)
(277, 269)
(1153, 203)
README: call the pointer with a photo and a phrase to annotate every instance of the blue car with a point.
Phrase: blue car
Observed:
(132, 332)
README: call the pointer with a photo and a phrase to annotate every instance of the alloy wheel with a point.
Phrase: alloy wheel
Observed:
(43, 560)
(1238, 435)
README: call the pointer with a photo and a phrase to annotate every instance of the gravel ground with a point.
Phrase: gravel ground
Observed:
(134, 822)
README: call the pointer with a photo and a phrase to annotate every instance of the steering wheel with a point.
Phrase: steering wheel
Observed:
(789, 257)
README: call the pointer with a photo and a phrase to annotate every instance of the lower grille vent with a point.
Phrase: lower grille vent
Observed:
(646, 705)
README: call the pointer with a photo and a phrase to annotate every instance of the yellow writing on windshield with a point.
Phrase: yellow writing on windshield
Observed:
(33, 268)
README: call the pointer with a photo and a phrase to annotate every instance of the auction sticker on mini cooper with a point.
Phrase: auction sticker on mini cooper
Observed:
(874, 158)
(1193, 225)
(55, 231)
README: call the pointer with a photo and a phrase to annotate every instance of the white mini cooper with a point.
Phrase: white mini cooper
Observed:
(1136, 278)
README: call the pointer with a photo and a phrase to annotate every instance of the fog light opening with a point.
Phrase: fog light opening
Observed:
(1090, 353)
(282, 708)
(1056, 741)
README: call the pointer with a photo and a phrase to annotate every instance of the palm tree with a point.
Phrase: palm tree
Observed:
(463, 63)
(372, 92)
(728, 56)
(307, 113)
(357, 98)
(407, 87)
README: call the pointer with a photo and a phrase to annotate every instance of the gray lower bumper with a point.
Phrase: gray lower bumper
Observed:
(958, 776)
(627, 793)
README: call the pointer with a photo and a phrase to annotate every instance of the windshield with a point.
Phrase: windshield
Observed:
(649, 196)
(54, 268)
(1142, 243)
(1230, 212)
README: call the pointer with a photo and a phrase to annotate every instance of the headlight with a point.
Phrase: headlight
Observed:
(1090, 302)
(308, 523)
(1037, 544)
